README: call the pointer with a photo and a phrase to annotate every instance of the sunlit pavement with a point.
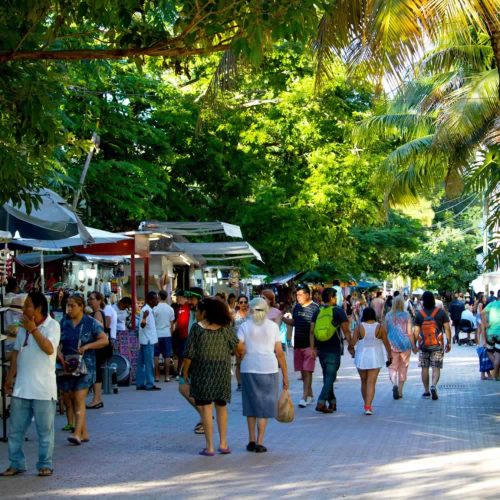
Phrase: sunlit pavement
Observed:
(143, 445)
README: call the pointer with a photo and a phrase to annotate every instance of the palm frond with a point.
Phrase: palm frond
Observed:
(469, 113)
(460, 16)
(483, 177)
(472, 57)
(408, 126)
(223, 79)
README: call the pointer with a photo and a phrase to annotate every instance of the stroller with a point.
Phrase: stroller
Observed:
(467, 333)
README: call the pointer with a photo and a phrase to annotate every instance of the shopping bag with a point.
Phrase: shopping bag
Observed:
(485, 363)
(285, 408)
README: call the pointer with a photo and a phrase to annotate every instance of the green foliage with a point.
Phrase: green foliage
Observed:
(446, 262)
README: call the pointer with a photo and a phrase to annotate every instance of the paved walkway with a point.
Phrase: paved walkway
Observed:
(142, 445)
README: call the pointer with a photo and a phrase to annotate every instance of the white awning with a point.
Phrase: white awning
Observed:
(98, 235)
(192, 228)
(227, 250)
(281, 280)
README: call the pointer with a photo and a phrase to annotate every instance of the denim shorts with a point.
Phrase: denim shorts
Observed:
(163, 347)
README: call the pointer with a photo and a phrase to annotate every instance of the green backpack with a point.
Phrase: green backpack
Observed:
(323, 328)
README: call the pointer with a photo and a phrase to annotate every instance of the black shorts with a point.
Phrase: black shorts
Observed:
(101, 356)
(205, 402)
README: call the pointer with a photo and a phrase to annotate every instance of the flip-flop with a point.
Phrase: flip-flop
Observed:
(45, 472)
(85, 440)
(225, 451)
(11, 471)
(74, 440)
(95, 407)
(69, 428)
(198, 429)
(206, 453)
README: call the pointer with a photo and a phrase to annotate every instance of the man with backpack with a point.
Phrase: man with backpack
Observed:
(430, 322)
(327, 326)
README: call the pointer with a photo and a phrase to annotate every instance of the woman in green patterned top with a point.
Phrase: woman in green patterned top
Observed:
(207, 364)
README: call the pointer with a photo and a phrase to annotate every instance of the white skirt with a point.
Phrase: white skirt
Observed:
(372, 355)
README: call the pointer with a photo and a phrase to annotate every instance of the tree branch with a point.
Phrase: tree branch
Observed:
(92, 54)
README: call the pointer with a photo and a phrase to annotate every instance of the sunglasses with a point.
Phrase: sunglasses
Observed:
(243, 302)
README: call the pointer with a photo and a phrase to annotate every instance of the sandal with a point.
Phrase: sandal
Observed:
(198, 429)
(45, 472)
(225, 451)
(11, 471)
(95, 407)
(74, 440)
(206, 453)
(68, 427)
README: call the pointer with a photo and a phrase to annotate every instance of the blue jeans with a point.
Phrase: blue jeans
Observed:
(145, 366)
(22, 411)
(330, 364)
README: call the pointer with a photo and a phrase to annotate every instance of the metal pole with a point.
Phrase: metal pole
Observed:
(42, 272)
(95, 140)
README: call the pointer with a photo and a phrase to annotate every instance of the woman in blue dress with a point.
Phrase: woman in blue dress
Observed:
(80, 334)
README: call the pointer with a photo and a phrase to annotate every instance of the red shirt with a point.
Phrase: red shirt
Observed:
(182, 314)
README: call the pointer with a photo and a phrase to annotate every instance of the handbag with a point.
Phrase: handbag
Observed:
(286, 412)
(74, 363)
(485, 363)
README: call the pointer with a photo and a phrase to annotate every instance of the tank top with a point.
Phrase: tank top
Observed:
(370, 339)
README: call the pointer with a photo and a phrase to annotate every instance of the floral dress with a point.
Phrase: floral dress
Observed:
(210, 354)
(86, 331)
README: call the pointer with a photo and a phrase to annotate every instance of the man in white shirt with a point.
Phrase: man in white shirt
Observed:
(110, 312)
(148, 337)
(34, 394)
(340, 294)
(164, 320)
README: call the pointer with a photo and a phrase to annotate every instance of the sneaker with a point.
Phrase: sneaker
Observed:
(154, 388)
(310, 400)
(426, 395)
(368, 410)
(167, 379)
(434, 393)
(302, 403)
(177, 377)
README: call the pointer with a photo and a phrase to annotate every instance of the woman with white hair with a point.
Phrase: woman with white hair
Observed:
(259, 371)
(400, 336)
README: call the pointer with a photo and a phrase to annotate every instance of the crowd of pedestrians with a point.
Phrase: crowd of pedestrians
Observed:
(208, 336)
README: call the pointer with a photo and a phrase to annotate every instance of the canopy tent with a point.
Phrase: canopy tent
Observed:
(192, 228)
(98, 236)
(282, 280)
(220, 251)
(33, 259)
(53, 219)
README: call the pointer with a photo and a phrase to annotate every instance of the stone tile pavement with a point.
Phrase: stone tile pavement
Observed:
(143, 445)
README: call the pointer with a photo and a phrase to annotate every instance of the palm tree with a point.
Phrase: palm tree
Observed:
(445, 56)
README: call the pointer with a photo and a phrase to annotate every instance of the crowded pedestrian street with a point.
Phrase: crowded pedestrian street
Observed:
(142, 445)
